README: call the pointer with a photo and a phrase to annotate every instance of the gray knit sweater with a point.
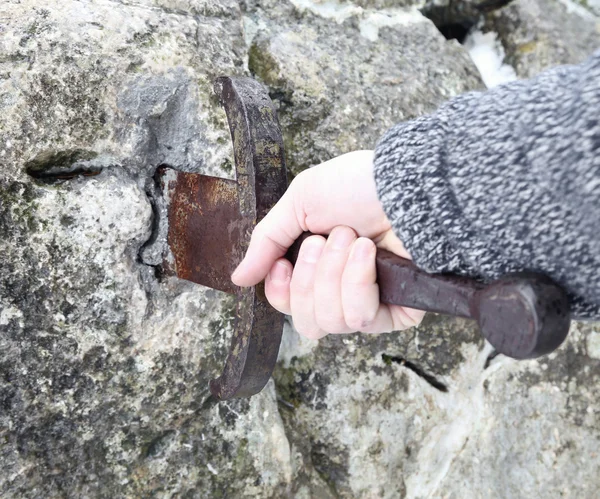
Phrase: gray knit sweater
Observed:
(502, 181)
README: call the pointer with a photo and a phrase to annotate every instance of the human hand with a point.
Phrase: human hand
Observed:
(332, 288)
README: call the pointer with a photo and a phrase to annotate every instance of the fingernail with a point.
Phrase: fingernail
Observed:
(280, 273)
(361, 250)
(311, 250)
(341, 238)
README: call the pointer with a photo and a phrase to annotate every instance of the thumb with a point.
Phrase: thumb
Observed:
(271, 238)
(389, 241)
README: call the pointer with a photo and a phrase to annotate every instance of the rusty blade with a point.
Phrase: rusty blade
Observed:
(205, 228)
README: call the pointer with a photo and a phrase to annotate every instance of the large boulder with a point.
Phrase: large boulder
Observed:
(342, 76)
(537, 34)
(105, 362)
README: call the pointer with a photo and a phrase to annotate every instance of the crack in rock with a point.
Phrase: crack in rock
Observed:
(427, 377)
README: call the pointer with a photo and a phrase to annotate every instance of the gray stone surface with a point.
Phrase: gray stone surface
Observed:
(361, 67)
(537, 34)
(104, 365)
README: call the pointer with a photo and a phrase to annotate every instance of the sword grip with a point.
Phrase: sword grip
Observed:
(523, 315)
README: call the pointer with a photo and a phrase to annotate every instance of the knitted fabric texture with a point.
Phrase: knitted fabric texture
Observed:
(503, 181)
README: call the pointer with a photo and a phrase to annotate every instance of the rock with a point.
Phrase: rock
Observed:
(342, 76)
(105, 364)
(105, 367)
(537, 34)
(381, 394)
(536, 425)
(477, 426)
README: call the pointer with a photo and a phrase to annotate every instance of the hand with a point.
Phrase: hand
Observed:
(332, 288)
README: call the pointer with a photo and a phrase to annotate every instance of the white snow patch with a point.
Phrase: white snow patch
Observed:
(593, 344)
(373, 22)
(580, 10)
(328, 9)
(463, 407)
(488, 55)
(594, 5)
(9, 313)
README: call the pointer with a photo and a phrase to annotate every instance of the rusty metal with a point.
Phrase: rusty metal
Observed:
(210, 223)
(211, 220)
(205, 228)
(523, 315)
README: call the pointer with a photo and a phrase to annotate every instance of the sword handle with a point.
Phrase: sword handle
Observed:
(524, 315)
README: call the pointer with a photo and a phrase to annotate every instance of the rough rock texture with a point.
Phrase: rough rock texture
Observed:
(537, 34)
(342, 75)
(104, 365)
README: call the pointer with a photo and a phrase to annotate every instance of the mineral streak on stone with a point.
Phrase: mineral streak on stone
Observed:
(104, 364)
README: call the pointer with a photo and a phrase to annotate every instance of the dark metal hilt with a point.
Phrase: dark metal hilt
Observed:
(523, 315)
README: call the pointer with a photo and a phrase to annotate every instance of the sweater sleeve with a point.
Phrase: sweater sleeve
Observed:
(502, 181)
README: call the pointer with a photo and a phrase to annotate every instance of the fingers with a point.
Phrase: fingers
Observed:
(360, 295)
(333, 288)
(302, 301)
(360, 292)
(317, 285)
(277, 286)
(329, 312)
(270, 240)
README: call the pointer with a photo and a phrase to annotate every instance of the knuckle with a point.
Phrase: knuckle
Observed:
(258, 231)
(301, 186)
(328, 311)
(296, 186)
(328, 275)
(299, 179)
